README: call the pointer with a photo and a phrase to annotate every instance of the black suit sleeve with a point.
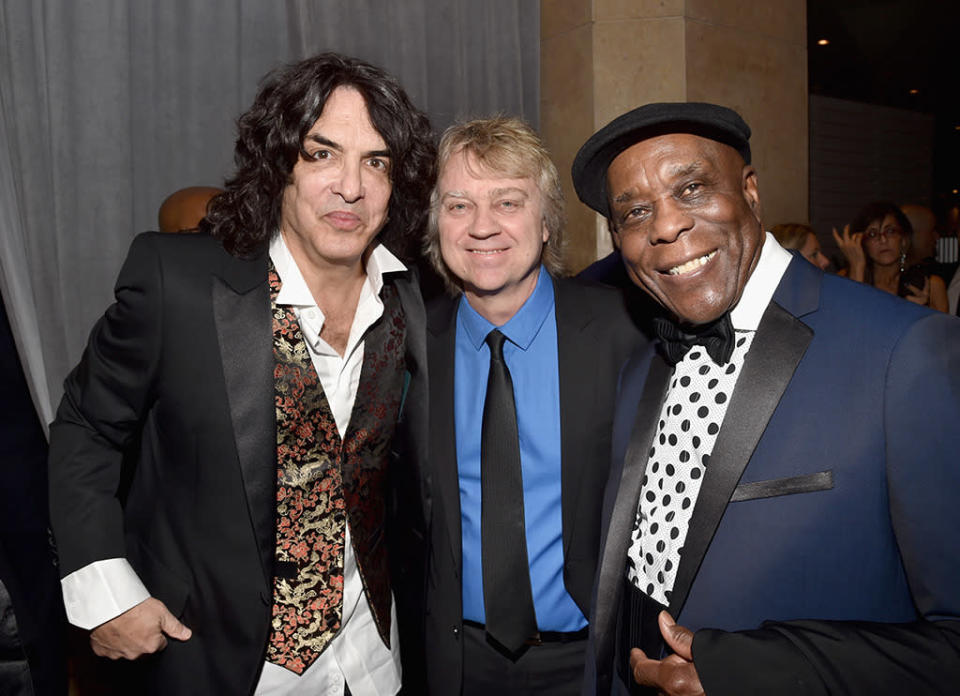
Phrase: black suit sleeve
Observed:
(100, 416)
(806, 658)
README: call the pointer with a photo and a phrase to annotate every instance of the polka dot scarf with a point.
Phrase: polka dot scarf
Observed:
(691, 417)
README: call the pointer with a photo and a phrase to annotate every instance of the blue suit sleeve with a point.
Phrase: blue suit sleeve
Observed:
(921, 412)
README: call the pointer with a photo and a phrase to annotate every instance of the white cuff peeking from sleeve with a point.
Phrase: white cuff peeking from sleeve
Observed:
(101, 591)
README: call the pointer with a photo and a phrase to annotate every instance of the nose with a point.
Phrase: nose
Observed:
(485, 223)
(349, 182)
(670, 220)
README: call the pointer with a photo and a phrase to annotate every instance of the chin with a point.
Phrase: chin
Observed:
(698, 312)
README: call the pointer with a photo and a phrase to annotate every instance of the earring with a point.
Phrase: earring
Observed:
(903, 259)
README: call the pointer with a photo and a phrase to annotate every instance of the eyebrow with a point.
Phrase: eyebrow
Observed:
(320, 140)
(508, 189)
(677, 172)
(687, 170)
(492, 194)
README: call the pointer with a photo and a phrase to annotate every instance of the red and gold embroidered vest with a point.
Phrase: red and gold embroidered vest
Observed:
(323, 482)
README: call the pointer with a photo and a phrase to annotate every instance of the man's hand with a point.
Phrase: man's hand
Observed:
(140, 630)
(674, 675)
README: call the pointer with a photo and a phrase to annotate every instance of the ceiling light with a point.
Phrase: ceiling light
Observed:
(823, 42)
(914, 91)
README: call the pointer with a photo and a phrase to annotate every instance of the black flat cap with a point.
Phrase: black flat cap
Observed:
(706, 120)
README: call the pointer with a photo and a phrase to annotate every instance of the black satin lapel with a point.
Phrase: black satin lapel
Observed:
(244, 329)
(415, 407)
(614, 560)
(780, 343)
(441, 349)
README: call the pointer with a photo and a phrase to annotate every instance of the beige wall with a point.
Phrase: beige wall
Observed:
(600, 58)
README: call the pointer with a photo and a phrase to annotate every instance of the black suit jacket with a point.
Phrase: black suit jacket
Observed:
(177, 384)
(594, 335)
(27, 562)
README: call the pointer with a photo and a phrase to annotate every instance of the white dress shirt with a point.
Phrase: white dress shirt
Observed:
(953, 292)
(105, 589)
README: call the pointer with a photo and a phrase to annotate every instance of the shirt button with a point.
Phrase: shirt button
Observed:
(456, 631)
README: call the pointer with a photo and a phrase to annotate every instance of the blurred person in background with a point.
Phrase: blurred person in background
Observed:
(925, 242)
(183, 210)
(875, 246)
(793, 235)
(32, 622)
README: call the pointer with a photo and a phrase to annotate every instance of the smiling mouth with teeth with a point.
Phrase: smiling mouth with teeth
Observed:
(692, 264)
(486, 252)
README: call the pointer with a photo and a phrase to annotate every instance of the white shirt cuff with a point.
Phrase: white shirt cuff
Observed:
(101, 591)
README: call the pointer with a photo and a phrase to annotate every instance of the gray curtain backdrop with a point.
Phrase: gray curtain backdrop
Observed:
(108, 106)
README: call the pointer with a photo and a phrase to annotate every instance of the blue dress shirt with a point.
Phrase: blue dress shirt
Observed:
(531, 356)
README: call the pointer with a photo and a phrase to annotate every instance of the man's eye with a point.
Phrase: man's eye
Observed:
(692, 188)
(634, 214)
(509, 205)
(378, 163)
(320, 155)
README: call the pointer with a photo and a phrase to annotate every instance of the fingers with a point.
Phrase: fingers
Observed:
(673, 675)
(849, 244)
(120, 649)
(644, 670)
(138, 631)
(677, 638)
(171, 626)
(919, 295)
(841, 240)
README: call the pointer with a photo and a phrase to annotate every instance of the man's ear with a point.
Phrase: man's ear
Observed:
(751, 190)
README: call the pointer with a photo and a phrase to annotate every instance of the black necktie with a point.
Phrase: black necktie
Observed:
(717, 337)
(507, 597)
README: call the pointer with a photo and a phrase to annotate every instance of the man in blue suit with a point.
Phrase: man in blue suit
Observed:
(785, 459)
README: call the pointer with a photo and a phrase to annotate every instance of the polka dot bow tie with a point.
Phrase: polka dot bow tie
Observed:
(717, 337)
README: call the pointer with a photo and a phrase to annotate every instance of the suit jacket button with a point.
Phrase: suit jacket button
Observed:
(456, 632)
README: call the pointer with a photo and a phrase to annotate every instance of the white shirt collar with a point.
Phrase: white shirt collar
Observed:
(761, 285)
(293, 288)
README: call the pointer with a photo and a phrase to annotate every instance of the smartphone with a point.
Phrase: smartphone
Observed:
(912, 276)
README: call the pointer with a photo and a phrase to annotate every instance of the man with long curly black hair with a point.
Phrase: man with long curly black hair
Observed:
(220, 463)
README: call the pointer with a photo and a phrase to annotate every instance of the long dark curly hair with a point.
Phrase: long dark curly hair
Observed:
(270, 140)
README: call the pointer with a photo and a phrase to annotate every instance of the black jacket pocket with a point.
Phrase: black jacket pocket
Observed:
(808, 483)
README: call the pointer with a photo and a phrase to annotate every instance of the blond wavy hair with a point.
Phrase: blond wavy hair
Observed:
(508, 147)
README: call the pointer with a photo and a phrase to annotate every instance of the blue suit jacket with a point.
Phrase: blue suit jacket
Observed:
(830, 503)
